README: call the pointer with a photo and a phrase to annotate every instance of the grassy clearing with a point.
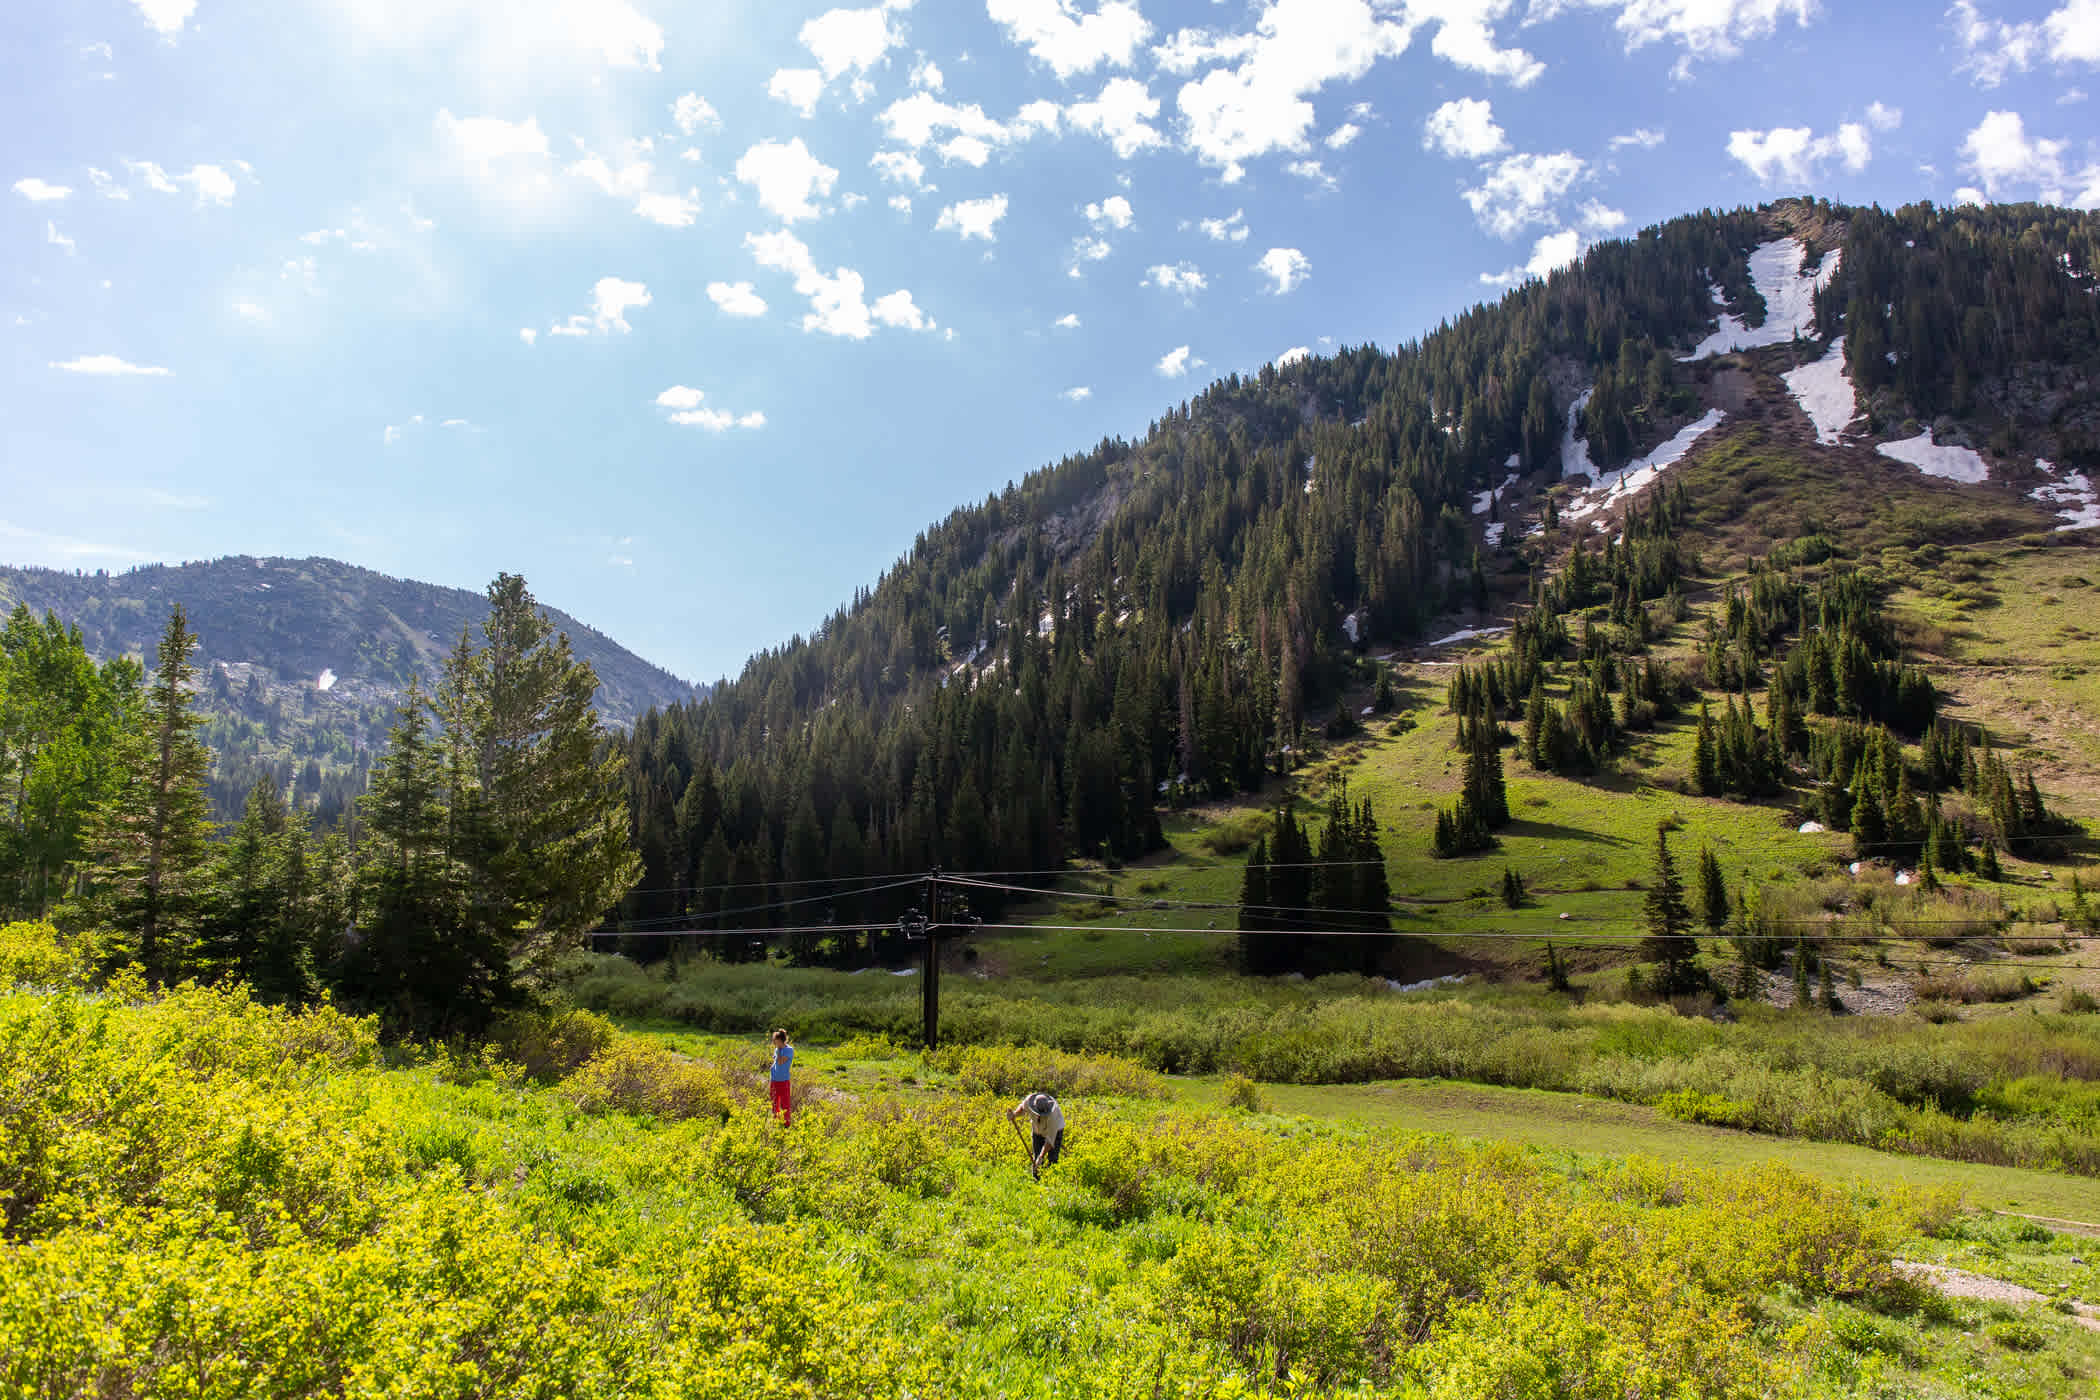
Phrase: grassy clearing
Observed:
(2013, 1089)
(1587, 1127)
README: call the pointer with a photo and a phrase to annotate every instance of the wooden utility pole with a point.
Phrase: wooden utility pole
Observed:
(930, 979)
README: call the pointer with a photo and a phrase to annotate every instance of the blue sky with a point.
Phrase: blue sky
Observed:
(695, 314)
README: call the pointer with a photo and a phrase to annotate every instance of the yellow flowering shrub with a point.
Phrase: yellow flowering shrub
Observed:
(205, 1198)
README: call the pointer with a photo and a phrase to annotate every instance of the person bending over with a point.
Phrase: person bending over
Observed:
(1047, 1121)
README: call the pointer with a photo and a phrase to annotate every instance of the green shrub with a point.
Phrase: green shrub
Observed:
(1691, 1106)
(636, 1077)
(36, 955)
(1243, 1093)
(2016, 1336)
(551, 1045)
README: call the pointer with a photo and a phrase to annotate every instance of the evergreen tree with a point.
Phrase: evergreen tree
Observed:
(1669, 943)
(150, 836)
(1713, 891)
(559, 853)
(1801, 983)
(1706, 766)
(1826, 989)
(1989, 867)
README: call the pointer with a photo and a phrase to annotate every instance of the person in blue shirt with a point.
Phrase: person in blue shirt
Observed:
(782, 1064)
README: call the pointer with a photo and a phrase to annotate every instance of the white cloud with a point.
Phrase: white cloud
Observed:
(1990, 48)
(1969, 194)
(684, 402)
(901, 203)
(1068, 40)
(1795, 156)
(1645, 137)
(629, 179)
(897, 309)
(41, 191)
(900, 168)
(1704, 28)
(106, 365)
(1230, 229)
(2001, 154)
(1292, 356)
(1114, 212)
(1186, 279)
(611, 299)
(1554, 251)
(1465, 38)
(1069, 321)
(1883, 117)
(849, 41)
(1121, 115)
(965, 150)
(921, 119)
(106, 184)
(528, 334)
(1342, 135)
(670, 210)
(1285, 268)
(166, 17)
(1234, 114)
(1174, 363)
(250, 311)
(837, 304)
(1521, 190)
(209, 183)
(736, 299)
(1079, 393)
(926, 74)
(57, 239)
(1601, 218)
(787, 178)
(974, 218)
(798, 87)
(692, 111)
(1464, 130)
(1311, 170)
(1086, 250)
(486, 139)
(2074, 32)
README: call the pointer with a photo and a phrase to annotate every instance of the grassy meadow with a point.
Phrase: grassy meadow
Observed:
(204, 1197)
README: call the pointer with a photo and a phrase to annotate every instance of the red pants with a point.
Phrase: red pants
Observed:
(783, 1101)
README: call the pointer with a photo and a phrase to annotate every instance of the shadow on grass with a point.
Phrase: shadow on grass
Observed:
(1555, 831)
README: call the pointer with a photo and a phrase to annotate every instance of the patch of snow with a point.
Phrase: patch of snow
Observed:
(1903, 877)
(1825, 394)
(1449, 980)
(1790, 300)
(1494, 534)
(2075, 492)
(1856, 866)
(1574, 449)
(1811, 828)
(905, 972)
(1042, 625)
(1641, 473)
(1367, 710)
(325, 679)
(1467, 634)
(1954, 463)
(1482, 500)
(1514, 459)
(1352, 626)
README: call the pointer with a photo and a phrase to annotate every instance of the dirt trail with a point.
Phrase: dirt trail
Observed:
(1959, 1283)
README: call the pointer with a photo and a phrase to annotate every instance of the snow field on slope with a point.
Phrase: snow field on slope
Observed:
(1642, 472)
(2076, 492)
(1790, 304)
(1825, 393)
(1934, 459)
